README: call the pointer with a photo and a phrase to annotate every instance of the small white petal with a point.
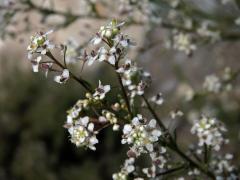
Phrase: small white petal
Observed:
(112, 60)
(91, 127)
(127, 129)
(84, 121)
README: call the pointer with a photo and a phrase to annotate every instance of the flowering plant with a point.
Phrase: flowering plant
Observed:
(144, 135)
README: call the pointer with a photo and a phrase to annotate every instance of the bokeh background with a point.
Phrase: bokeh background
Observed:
(33, 143)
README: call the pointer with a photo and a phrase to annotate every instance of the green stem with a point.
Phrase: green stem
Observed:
(124, 92)
(154, 113)
(171, 170)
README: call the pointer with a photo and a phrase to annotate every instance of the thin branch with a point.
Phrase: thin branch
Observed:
(124, 92)
(154, 113)
(171, 170)
(83, 82)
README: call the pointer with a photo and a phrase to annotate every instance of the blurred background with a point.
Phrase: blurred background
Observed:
(33, 142)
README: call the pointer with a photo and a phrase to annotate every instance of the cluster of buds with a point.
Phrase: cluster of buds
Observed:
(107, 32)
(110, 117)
(141, 134)
(210, 132)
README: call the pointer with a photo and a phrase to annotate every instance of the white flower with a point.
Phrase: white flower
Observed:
(150, 172)
(223, 168)
(63, 77)
(183, 42)
(140, 134)
(126, 67)
(96, 40)
(92, 58)
(158, 99)
(210, 132)
(212, 83)
(127, 129)
(39, 44)
(107, 32)
(101, 91)
(82, 132)
(176, 113)
(35, 63)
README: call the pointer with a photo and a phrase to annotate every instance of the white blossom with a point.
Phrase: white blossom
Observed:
(101, 91)
(107, 32)
(212, 83)
(35, 63)
(63, 77)
(183, 42)
(39, 44)
(210, 132)
(158, 99)
(222, 167)
(141, 134)
(82, 132)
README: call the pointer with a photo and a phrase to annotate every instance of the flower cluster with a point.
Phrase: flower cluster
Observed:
(183, 42)
(134, 78)
(210, 132)
(141, 134)
(223, 168)
(40, 44)
(159, 161)
(82, 132)
(212, 84)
